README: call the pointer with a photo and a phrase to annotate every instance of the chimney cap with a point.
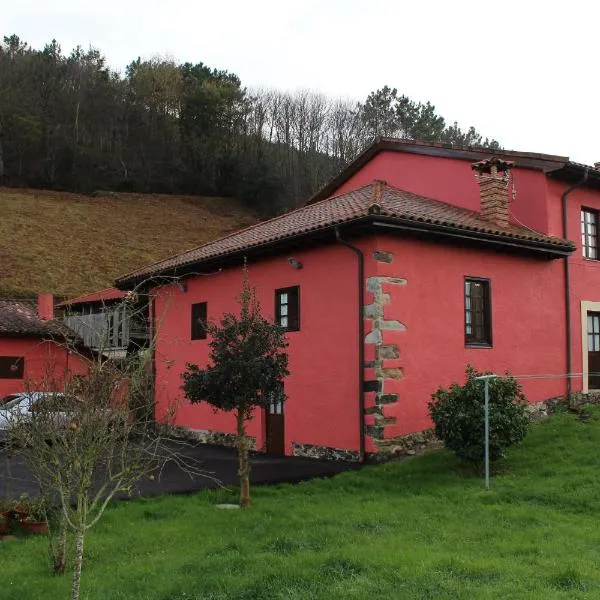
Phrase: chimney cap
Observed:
(492, 165)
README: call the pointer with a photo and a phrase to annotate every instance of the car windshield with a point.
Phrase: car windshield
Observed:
(11, 400)
(53, 402)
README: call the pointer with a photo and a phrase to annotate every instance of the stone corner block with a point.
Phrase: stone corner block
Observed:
(383, 256)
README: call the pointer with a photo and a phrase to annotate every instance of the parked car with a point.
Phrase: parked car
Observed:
(20, 407)
(56, 413)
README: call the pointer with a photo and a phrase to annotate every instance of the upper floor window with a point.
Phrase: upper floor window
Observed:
(11, 367)
(287, 308)
(199, 321)
(589, 233)
(478, 312)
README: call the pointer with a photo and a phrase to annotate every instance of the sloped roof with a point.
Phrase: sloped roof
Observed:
(559, 166)
(105, 295)
(374, 201)
(19, 318)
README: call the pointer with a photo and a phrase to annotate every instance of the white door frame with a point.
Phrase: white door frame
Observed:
(586, 306)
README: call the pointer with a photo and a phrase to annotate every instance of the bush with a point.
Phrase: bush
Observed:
(458, 415)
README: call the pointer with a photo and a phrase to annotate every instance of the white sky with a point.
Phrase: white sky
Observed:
(521, 72)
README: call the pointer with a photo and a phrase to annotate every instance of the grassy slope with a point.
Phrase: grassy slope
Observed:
(421, 528)
(71, 244)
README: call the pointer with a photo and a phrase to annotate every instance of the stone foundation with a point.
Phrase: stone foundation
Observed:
(415, 443)
(206, 436)
(405, 445)
(540, 410)
(324, 452)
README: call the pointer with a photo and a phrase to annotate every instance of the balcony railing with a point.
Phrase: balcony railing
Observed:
(107, 331)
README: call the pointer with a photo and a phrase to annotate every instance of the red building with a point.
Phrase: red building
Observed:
(390, 280)
(33, 348)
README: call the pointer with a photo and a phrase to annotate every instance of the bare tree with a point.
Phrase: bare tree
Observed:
(87, 441)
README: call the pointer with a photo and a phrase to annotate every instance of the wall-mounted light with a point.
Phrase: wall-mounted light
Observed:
(294, 263)
(182, 285)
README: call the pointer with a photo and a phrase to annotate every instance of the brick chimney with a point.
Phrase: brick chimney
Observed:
(376, 193)
(45, 306)
(493, 176)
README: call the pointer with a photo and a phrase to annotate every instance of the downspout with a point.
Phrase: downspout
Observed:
(361, 336)
(567, 278)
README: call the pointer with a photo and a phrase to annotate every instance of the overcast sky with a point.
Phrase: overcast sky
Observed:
(522, 72)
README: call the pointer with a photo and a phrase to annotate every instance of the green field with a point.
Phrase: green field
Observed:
(418, 528)
(71, 244)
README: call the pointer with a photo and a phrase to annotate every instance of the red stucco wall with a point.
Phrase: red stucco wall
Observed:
(322, 405)
(452, 181)
(584, 273)
(527, 322)
(43, 359)
(529, 333)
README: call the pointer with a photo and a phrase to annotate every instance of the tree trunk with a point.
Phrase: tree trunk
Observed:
(77, 564)
(243, 466)
(59, 551)
(1, 157)
(77, 124)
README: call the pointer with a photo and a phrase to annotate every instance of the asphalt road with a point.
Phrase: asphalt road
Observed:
(218, 463)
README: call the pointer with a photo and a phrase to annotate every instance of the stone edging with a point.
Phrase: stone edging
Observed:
(207, 436)
(324, 452)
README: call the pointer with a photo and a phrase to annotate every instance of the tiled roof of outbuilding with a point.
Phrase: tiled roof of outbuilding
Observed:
(106, 295)
(376, 200)
(18, 317)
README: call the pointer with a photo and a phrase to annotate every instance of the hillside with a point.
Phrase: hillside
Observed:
(70, 244)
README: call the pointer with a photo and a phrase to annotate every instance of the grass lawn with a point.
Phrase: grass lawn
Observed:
(419, 528)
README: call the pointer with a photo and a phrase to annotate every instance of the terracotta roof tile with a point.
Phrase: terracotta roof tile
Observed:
(19, 318)
(344, 208)
(102, 296)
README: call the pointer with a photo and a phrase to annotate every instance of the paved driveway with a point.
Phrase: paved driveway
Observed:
(220, 464)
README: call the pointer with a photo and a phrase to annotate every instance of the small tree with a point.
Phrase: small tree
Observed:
(88, 441)
(458, 415)
(83, 448)
(248, 367)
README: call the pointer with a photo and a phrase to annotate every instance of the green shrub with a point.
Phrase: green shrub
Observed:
(458, 415)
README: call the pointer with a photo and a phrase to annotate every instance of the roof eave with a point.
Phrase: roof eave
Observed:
(489, 239)
(572, 172)
(539, 248)
(210, 264)
(37, 335)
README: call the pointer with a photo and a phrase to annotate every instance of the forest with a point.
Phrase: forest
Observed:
(70, 122)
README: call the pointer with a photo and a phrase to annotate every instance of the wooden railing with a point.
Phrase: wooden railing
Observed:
(102, 331)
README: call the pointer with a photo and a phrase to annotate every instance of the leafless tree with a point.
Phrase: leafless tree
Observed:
(91, 439)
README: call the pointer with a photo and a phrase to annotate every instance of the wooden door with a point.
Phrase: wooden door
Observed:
(275, 426)
(593, 344)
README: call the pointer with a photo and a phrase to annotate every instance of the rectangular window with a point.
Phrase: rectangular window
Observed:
(478, 313)
(199, 321)
(589, 233)
(276, 402)
(11, 367)
(287, 308)
(593, 332)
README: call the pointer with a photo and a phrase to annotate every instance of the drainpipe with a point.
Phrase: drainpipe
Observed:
(361, 336)
(567, 278)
